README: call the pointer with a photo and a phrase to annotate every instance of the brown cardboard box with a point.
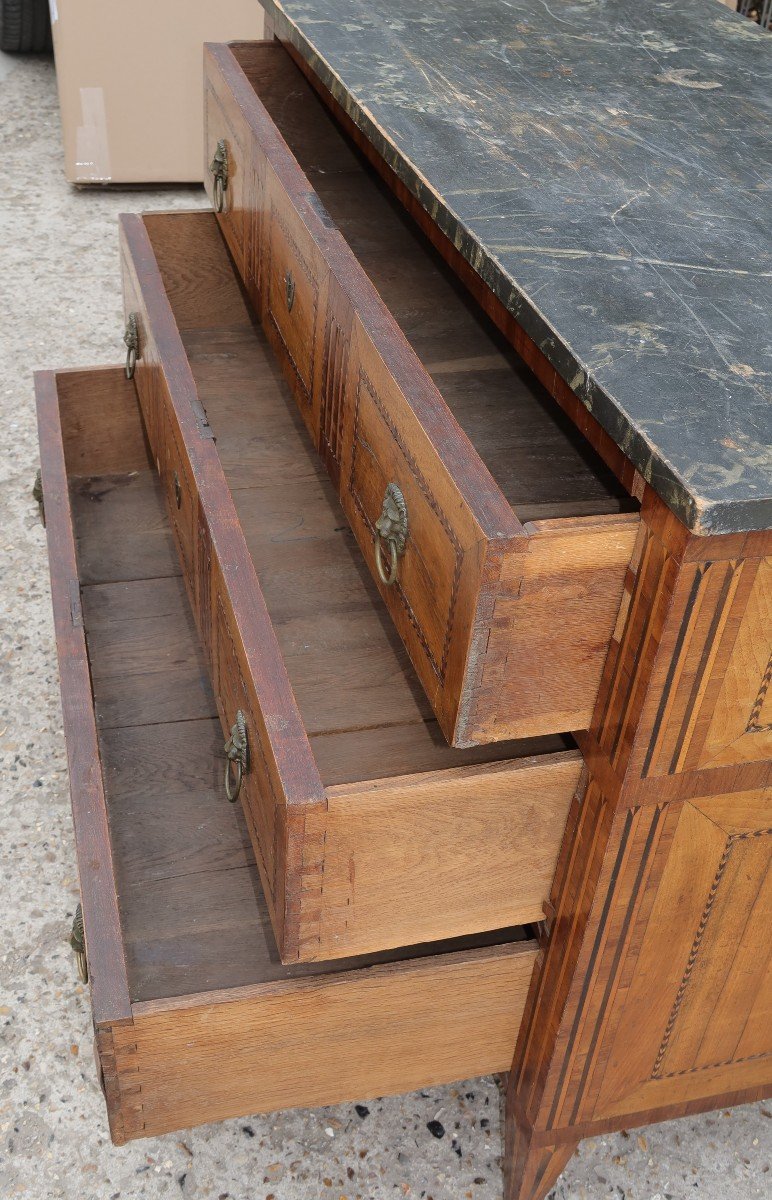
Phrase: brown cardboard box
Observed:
(130, 83)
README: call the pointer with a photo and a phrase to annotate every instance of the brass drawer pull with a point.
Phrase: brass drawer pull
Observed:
(177, 490)
(236, 757)
(78, 943)
(219, 169)
(391, 528)
(289, 290)
(131, 339)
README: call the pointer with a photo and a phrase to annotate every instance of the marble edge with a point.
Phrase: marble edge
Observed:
(702, 517)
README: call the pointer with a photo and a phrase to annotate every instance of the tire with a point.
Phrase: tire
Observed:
(25, 27)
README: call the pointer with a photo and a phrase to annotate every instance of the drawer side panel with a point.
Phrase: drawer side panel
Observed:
(375, 1032)
(96, 871)
(283, 782)
(398, 868)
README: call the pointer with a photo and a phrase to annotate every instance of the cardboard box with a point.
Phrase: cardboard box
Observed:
(130, 83)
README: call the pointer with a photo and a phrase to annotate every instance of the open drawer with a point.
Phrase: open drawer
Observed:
(369, 830)
(499, 540)
(195, 1017)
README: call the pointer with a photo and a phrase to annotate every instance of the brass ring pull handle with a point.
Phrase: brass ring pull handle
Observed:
(219, 169)
(389, 576)
(236, 757)
(391, 528)
(78, 943)
(289, 290)
(131, 340)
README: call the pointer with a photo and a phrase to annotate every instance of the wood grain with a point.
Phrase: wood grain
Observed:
(109, 989)
(195, 1015)
(349, 674)
(356, 1036)
(403, 379)
(653, 998)
(395, 859)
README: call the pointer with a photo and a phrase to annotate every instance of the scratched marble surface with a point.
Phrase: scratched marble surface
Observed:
(606, 166)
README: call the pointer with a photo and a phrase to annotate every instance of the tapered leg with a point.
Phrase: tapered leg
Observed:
(532, 1167)
(649, 999)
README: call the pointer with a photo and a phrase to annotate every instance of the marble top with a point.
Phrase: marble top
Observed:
(606, 168)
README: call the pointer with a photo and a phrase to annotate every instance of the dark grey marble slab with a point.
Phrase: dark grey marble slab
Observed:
(606, 167)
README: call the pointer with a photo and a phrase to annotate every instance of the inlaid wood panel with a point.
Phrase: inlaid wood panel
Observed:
(653, 1000)
(714, 707)
(701, 1010)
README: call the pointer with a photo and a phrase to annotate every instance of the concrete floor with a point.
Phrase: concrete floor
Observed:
(59, 307)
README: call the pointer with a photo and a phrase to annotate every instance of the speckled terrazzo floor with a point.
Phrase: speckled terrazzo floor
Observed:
(60, 306)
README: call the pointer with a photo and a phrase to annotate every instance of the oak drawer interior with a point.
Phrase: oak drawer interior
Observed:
(361, 703)
(196, 1018)
(406, 816)
(543, 465)
(194, 917)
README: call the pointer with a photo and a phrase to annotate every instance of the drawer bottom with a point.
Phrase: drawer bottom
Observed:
(196, 1017)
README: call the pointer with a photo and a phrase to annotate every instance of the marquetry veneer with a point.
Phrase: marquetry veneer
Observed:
(519, 536)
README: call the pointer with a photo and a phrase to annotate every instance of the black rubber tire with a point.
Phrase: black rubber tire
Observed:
(25, 27)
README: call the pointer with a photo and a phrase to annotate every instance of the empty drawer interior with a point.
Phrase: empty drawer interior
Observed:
(542, 464)
(192, 910)
(362, 706)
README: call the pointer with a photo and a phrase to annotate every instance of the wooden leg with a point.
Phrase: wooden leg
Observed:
(532, 1166)
(649, 1001)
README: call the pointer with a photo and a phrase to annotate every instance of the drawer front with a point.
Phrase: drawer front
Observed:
(296, 279)
(281, 788)
(227, 172)
(438, 575)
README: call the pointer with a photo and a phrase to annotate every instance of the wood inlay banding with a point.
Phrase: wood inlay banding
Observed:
(365, 382)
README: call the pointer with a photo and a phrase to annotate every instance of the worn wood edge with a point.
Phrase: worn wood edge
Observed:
(405, 967)
(420, 779)
(293, 759)
(457, 713)
(467, 474)
(596, 523)
(96, 869)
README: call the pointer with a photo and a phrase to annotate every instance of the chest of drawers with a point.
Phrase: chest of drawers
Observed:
(496, 718)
